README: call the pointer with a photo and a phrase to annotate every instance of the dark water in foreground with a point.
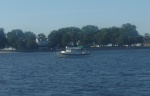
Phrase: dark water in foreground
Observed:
(103, 73)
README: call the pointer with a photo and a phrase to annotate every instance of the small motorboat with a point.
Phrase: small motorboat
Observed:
(73, 52)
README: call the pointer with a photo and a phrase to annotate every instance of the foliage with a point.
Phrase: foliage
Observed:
(15, 39)
(65, 39)
(68, 36)
(114, 35)
(3, 40)
(87, 34)
(21, 41)
(73, 36)
(54, 39)
(129, 34)
(30, 40)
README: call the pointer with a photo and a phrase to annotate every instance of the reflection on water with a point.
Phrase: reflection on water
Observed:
(103, 73)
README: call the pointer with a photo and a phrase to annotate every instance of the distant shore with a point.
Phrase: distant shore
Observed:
(92, 48)
(13, 51)
(117, 48)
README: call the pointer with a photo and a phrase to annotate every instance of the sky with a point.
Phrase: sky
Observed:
(43, 16)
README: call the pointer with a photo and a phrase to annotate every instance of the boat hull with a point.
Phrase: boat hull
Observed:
(59, 54)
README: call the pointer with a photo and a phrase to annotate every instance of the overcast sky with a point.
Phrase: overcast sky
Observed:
(43, 16)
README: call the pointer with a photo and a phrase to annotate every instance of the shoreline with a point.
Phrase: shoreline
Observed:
(118, 48)
(92, 49)
(27, 51)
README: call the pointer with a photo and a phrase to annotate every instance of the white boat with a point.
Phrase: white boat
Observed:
(73, 52)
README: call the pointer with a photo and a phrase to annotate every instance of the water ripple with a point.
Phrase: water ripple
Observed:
(103, 73)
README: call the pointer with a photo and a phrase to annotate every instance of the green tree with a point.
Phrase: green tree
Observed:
(121, 40)
(140, 39)
(65, 40)
(105, 36)
(3, 40)
(98, 38)
(15, 39)
(87, 34)
(30, 40)
(114, 34)
(74, 35)
(89, 29)
(64, 37)
(130, 33)
(54, 39)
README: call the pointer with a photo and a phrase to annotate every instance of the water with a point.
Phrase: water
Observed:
(103, 73)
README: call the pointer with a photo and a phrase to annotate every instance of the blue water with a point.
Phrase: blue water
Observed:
(103, 73)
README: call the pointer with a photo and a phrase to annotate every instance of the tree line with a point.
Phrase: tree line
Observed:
(88, 35)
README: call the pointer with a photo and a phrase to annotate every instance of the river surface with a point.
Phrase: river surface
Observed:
(102, 73)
